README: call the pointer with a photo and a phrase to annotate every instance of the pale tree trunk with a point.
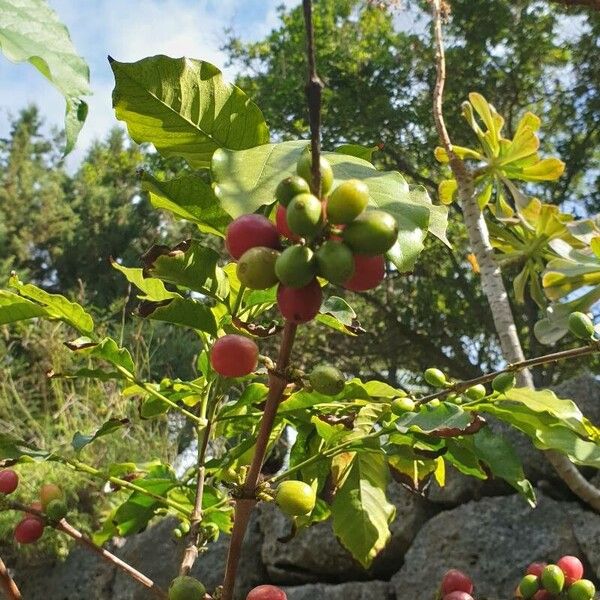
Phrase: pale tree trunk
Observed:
(491, 275)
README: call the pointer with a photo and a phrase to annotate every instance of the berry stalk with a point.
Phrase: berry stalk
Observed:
(7, 584)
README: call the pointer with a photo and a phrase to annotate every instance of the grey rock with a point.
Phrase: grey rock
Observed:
(355, 590)
(493, 541)
(315, 554)
(158, 556)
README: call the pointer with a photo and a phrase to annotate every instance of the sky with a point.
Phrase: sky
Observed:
(129, 30)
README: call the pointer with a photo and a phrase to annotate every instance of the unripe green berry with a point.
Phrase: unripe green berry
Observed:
(529, 586)
(400, 406)
(256, 268)
(435, 377)
(304, 169)
(435, 403)
(304, 215)
(327, 379)
(373, 232)
(476, 392)
(56, 510)
(504, 382)
(581, 325)
(295, 266)
(553, 579)
(347, 201)
(290, 187)
(583, 589)
(335, 262)
(295, 498)
(185, 587)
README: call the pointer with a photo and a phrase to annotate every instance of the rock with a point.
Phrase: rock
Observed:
(492, 540)
(158, 556)
(82, 576)
(316, 555)
(371, 590)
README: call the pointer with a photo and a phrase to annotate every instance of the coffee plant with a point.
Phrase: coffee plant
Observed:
(298, 224)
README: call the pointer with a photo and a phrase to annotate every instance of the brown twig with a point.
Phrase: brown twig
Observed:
(245, 504)
(190, 553)
(314, 87)
(90, 545)
(461, 386)
(7, 584)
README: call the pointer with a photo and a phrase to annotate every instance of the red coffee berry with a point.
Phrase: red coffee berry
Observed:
(266, 592)
(300, 305)
(572, 568)
(458, 596)
(9, 481)
(543, 595)
(536, 568)
(282, 226)
(369, 272)
(456, 581)
(29, 530)
(250, 231)
(234, 356)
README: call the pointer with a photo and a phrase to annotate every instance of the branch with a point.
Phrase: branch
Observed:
(593, 4)
(314, 87)
(461, 386)
(86, 542)
(491, 275)
(245, 504)
(7, 584)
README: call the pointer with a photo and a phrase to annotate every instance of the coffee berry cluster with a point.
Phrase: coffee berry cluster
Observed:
(563, 580)
(51, 503)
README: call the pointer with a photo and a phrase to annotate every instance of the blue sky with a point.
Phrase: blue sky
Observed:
(129, 30)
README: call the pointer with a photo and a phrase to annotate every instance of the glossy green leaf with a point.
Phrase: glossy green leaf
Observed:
(81, 440)
(358, 151)
(185, 108)
(55, 306)
(181, 311)
(152, 289)
(429, 418)
(190, 265)
(107, 349)
(31, 31)
(360, 510)
(13, 449)
(336, 313)
(190, 198)
(15, 308)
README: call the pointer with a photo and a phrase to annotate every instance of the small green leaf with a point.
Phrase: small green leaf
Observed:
(152, 289)
(31, 31)
(361, 512)
(358, 151)
(80, 440)
(189, 198)
(14, 308)
(339, 315)
(13, 449)
(429, 418)
(181, 311)
(107, 349)
(185, 108)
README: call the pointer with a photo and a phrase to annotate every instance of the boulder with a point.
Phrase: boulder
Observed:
(493, 540)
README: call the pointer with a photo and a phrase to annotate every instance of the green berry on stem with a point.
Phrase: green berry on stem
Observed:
(295, 267)
(300, 305)
(335, 262)
(373, 232)
(401, 406)
(9, 481)
(504, 382)
(583, 589)
(56, 510)
(327, 380)
(304, 169)
(249, 231)
(553, 579)
(476, 392)
(581, 326)
(347, 201)
(369, 272)
(529, 586)
(185, 587)
(305, 215)
(435, 377)
(256, 268)
(295, 498)
(290, 187)
(234, 356)
(49, 492)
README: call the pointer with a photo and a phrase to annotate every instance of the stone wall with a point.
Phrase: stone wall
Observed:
(481, 528)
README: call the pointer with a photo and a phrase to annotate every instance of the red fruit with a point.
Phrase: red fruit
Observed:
(543, 595)
(369, 272)
(266, 592)
(9, 481)
(536, 568)
(456, 581)
(234, 356)
(572, 568)
(300, 305)
(29, 530)
(458, 596)
(282, 226)
(249, 231)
